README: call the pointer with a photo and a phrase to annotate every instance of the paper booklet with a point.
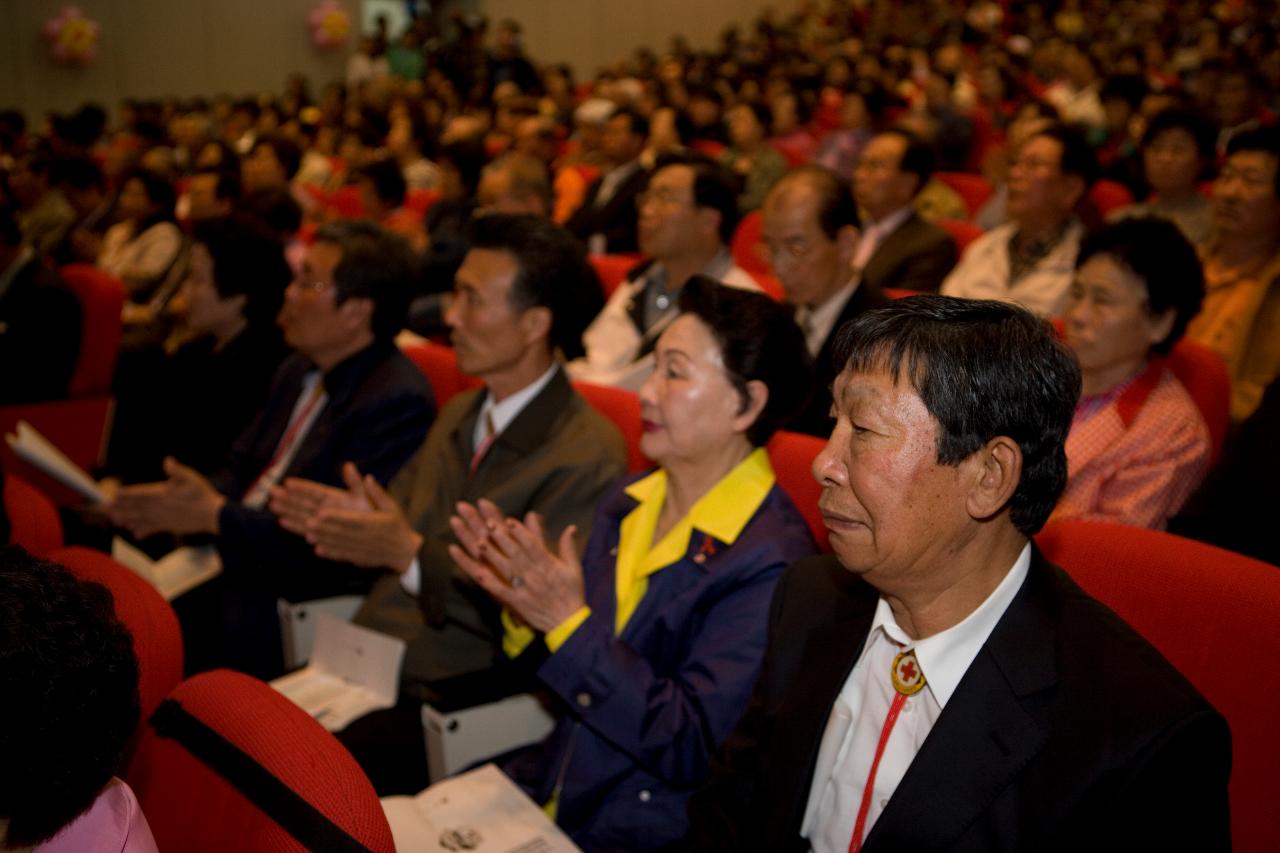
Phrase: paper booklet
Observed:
(180, 570)
(352, 671)
(34, 448)
(480, 811)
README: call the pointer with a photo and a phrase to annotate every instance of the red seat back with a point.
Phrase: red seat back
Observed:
(439, 364)
(792, 455)
(1212, 614)
(962, 232)
(420, 201)
(33, 518)
(1204, 374)
(193, 809)
(345, 202)
(974, 189)
(623, 408)
(76, 427)
(1108, 196)
(101, 298)
(612, 270)
(747, 246)
(157, 639)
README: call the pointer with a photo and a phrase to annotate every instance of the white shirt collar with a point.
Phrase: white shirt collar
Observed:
(884, 227)
(945, 657)
(505, 412)
(822, 318)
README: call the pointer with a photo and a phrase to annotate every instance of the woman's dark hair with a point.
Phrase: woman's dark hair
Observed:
(159, 191)
(69, 678)
(287, 153)
(468, 158)
(759, 340)
(1156, 251)
(983, 369)
(387, 179)
(248, 260)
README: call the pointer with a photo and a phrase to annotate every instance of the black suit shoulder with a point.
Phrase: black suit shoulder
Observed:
(916, 256)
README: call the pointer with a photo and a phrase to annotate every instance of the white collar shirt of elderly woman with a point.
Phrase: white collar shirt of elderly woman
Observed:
(695, 423)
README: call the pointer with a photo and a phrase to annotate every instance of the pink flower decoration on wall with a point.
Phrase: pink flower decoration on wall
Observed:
(72, 37)
(329, 24)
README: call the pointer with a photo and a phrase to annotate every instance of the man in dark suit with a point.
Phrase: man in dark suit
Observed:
(40, 322)
(346, 395)
(606, 221)
(811, 233)
(899, 249)
(937, 685)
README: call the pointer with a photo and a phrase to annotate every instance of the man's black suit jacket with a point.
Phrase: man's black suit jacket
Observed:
(378, 413)
(917, 255)
(815, 417)
(615, 219)
(1068, 732)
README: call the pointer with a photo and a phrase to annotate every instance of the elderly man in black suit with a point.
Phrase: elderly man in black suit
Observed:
(899, 249)
(811, 233)
(606, 221)
(937, 685)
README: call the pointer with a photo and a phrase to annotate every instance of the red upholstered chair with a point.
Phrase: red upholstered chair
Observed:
(612, 270)
(974, 189)
(157, 639)
(962, 232)
(32, 517)
(792, 455)
(1204, 374)
(1108, 196)
(420, 201)
(297, 769)
(101, 298)
(623, 408)
(345, 202)
(1212, 614)
(439, 364)
(747, 247)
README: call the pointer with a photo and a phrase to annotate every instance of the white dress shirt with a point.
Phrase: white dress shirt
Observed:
(875, 233)
(502, 414)
(853, 728)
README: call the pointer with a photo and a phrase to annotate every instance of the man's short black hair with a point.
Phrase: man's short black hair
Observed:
(79, 173)
(387, 180)
(553, 274)
(638, 124)
(759, 340)
(1264, 139)
(1077, 154)
(376, 265)
(248, 260)
(714, 186)
(917, 157)
(836, 207)
(1155, 251)
(69, 677)
(983, 369)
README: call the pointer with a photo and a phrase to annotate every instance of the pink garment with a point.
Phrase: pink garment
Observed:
(1136, 459)
(112, 824)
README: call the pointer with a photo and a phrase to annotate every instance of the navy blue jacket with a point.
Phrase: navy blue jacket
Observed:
(644, 711)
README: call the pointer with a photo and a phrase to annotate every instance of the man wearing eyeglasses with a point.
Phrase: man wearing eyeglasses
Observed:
(811, 232)
(1031, 259)
(687, 217)
(346, 395)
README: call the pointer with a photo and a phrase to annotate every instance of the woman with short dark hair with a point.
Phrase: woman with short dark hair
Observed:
(143, 245)
(1138, 444)
(654, 638)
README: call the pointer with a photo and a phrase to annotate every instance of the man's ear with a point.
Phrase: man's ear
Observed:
(535, 324)
(847, 243)
(709, 218)
(998, 470)
(358, 313)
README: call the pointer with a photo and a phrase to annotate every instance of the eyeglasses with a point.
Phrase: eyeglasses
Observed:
(311, 285)
(662, 196)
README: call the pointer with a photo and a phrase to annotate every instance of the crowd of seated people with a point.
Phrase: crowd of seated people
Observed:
(1121, 181)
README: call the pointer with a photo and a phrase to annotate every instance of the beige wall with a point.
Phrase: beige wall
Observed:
(150, 48)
